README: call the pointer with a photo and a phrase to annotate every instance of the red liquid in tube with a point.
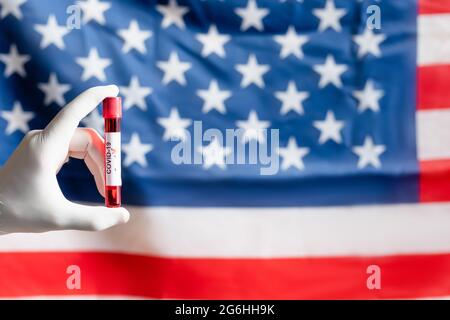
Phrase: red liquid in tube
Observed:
(112, 113)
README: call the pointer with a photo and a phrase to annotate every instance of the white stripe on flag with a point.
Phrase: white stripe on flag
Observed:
(433, 39)
(258, 232)
(433, 134)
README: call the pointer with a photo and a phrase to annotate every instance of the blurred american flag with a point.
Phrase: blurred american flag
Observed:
(364, 146)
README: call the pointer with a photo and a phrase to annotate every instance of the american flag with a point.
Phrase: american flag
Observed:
(363, 116)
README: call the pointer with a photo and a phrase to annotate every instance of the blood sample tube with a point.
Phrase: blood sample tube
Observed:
(112, 113)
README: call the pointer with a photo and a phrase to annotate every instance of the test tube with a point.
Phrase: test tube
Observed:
(112, 113)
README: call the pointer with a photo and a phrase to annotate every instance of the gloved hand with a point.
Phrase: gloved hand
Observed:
(30, 197)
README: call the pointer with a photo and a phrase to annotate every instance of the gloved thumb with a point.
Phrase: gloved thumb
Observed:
(92, 218)
(59, 132)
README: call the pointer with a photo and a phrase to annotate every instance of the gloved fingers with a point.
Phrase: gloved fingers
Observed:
(97, 172)
(92, 218)
(87, 144)
(61, 129)
(66, 159)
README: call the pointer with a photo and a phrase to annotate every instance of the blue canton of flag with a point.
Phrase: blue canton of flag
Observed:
(341, 94)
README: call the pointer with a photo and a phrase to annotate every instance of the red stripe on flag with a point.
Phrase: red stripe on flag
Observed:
(35, 274)
(434, 6)
(434, 181)
(433, 88)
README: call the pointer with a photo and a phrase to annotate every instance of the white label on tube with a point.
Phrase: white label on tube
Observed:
(113, 159)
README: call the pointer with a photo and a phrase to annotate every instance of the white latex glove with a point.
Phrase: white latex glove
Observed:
(30, 197)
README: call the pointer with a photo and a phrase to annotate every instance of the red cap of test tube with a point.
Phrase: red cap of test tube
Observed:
(112, 107)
